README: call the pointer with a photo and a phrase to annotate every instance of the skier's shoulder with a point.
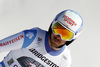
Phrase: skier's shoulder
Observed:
(67, 51)
(67, 55)
(38, 29)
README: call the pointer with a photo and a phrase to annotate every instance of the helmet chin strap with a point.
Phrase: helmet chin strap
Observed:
(60, 46)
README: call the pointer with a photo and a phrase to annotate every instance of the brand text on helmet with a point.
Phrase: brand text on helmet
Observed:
(69, 20)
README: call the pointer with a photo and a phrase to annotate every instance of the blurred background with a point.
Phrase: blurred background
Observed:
(18, 15)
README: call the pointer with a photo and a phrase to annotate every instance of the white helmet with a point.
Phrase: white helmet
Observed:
(70, 20)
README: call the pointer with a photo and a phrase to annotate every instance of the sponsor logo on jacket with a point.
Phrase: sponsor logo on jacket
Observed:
(43, 58)
(12, 40)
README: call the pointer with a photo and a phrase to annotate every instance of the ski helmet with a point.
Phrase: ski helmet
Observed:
(71, 21)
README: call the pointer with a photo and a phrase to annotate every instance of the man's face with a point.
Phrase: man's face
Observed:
(56, 41)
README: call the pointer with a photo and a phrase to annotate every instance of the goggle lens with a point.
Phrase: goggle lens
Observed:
(59, 29)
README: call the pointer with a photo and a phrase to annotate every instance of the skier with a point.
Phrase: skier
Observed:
(39, 48)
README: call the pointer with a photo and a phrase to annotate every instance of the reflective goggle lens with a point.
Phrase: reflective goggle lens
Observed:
(59, 29)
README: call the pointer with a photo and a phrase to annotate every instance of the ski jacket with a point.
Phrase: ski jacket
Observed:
(30, 48)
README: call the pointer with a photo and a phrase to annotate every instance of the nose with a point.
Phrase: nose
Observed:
(58, 36)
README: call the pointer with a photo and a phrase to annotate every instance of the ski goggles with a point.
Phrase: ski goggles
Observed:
(65, 33)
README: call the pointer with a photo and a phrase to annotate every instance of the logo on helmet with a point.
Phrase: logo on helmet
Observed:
(69, 20)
